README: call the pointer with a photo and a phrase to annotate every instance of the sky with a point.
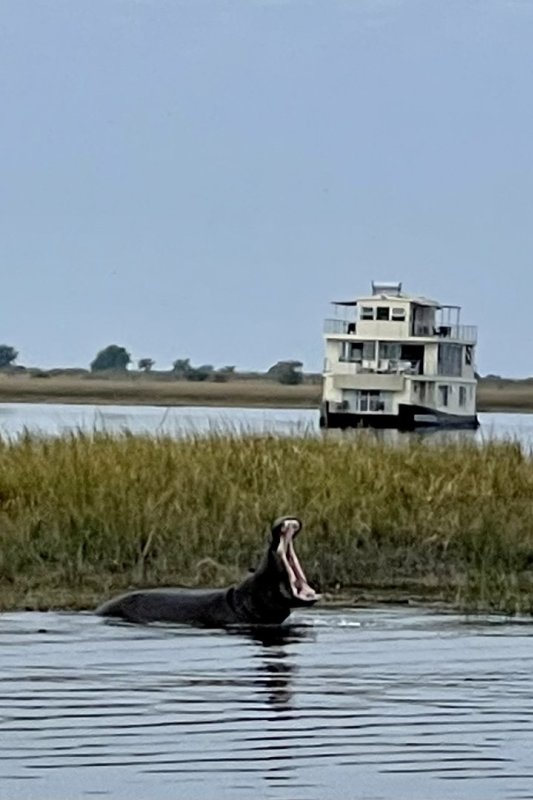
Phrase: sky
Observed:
(200, 178)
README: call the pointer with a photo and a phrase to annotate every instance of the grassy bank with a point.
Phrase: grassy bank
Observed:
(84, 516)
(139, 389)
(512, 396)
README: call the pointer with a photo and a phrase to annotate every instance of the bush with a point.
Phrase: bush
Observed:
(287, 372)
(202, 373)
(112, 357)
(145, 364)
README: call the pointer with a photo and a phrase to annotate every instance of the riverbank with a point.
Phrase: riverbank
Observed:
(85, 516)
(505, 396)
(143, 390)
(139, 389)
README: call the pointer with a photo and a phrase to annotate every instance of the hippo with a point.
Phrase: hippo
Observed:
(266, 597)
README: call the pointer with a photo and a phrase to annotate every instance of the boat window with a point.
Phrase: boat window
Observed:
(398, 314)
(389, 350)
(369, 351)
(375, 401)
(383, 313)
(351, 351)
(462, 395)
(468, 354)
(356, 352)
(413, 357)
(367, 312)
(450, 360)
(423, 321)
(443, 395)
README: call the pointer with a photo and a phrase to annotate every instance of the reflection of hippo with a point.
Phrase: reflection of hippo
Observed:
(265, 598)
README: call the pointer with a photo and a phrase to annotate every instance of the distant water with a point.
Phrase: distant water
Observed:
(55, 419)
(387, 704)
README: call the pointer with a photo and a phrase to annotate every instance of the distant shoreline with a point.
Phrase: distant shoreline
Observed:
(144, 390)
(135, 389)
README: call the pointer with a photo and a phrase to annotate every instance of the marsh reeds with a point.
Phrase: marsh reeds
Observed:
(87, 514)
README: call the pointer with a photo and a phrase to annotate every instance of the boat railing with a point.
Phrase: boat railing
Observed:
(464, 333)
(396, 366)
(339, 326)
(383, 366)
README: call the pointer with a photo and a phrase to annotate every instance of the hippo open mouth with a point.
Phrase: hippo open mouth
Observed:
(299, 587)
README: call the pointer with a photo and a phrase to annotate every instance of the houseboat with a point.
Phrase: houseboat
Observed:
(394, 360)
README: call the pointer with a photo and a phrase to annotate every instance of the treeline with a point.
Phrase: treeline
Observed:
(116, 360)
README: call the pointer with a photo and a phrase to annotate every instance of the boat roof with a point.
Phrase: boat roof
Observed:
(411, 298)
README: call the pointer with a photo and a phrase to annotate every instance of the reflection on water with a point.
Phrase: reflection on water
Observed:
(369, 703)
(178, 420)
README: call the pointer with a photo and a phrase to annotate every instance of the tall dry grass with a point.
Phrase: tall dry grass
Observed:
(145, 389)
(505, 396)
(85, 515)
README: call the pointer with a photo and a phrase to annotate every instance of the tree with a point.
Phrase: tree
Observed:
(182, 368)
(8, 354)
(287, 372)
(112, 357)
(145, 364)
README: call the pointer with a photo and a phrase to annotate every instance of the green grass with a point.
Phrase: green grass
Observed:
(86, 515)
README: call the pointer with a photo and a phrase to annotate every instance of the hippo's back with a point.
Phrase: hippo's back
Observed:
(205, 607)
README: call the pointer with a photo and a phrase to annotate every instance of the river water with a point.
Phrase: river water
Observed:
(373, 703)
(56, 419)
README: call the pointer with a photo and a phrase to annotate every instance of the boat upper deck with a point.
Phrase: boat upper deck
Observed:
(388, 313)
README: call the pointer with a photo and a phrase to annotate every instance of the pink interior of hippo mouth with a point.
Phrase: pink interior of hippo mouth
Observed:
(300, 589)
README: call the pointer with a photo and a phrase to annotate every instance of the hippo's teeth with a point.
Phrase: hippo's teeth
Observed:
(298, 582)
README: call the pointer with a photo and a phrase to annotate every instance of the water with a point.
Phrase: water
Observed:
(388, 703)
(56, 419)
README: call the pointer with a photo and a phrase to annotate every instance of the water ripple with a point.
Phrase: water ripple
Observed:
(364, 704)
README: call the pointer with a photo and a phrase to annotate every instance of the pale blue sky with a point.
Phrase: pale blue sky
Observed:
(201, 177)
